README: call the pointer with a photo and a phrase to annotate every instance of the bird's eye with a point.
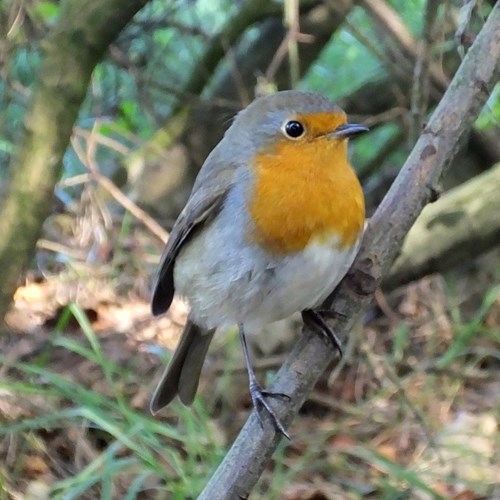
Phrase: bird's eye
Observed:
(294, 129)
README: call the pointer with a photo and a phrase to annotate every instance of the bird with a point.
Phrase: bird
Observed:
(273, 223)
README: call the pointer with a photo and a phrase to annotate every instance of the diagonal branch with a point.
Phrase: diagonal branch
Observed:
(414, 187)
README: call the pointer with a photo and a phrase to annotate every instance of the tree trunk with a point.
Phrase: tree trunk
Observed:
(70, 53)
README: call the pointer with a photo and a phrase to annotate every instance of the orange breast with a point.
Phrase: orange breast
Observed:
(305, 192)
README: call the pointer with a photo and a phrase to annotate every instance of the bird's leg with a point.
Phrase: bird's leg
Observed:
(258, 394)
(316, 321)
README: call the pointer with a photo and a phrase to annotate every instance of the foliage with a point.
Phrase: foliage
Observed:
(429, 349)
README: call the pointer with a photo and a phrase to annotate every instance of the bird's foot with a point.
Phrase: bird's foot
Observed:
(315, 320)
(259, 396)
(331, 314)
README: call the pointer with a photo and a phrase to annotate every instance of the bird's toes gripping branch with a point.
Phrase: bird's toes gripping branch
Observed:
(259, 403)
(316, 321)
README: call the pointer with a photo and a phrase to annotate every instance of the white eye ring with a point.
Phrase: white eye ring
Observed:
(293, 129)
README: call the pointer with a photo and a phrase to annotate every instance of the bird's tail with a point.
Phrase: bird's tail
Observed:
(183, 372)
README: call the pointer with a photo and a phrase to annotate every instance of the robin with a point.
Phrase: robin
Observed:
(272, 225)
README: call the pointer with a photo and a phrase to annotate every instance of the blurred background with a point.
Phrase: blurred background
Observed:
(412, 410)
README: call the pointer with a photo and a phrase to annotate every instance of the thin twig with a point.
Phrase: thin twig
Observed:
(421, 74)
(289, 46)
(392, 25)
(129, 205)
(292, 15)
(103, 140)
(395, 68)
(54, 246)
(388, 18)
(387, 116)
(117, 194)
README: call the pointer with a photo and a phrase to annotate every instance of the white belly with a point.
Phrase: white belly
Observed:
(301, 282)
(227, 282)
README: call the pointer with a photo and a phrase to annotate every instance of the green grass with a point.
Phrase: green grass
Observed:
(137, 446)
(138, 456)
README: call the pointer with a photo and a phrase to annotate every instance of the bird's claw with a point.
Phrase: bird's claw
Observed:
(315, 320)
(259, 402)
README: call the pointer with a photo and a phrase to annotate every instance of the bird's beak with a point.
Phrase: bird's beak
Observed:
(348, 130)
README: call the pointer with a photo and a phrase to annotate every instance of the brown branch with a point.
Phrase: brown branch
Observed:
(87, 158)
(129, 205)
(289, 45)
(248, 13)
(392, 25)
(412, 190)
(70, 53)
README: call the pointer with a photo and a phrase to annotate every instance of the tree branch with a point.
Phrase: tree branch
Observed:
(70, 53)
(392, 26)
(248, 13)
(411, 191)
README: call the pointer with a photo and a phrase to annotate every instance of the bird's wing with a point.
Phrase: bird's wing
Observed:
(207, 198)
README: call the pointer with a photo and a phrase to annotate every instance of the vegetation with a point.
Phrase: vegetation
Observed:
(113, 106)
